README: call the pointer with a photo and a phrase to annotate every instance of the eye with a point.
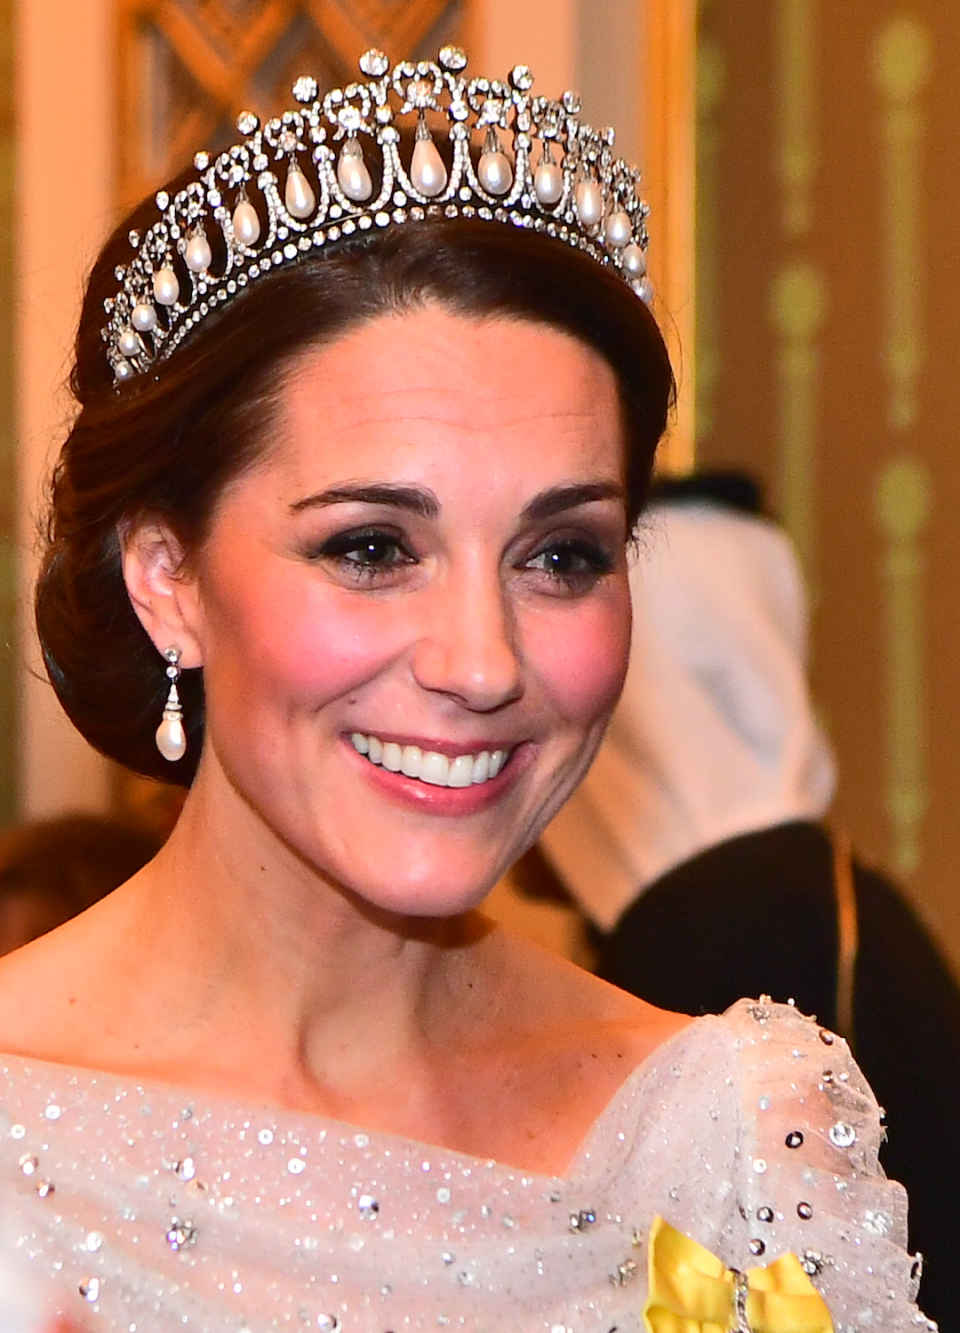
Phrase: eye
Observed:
(365, 553)
(573, 564)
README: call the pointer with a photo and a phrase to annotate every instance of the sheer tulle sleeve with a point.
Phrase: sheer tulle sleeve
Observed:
(807, 1176)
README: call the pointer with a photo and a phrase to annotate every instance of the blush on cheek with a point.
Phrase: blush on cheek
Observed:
(583, 663)
(319, 645)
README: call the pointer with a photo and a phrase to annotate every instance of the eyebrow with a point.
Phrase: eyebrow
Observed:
(415, 499)
(559, 499)
(423, 502)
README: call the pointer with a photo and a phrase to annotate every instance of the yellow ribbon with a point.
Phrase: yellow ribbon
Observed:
(691, 1291)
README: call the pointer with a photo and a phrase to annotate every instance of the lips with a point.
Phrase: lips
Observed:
(439, 770)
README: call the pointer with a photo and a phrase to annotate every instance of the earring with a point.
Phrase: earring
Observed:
(171, 738)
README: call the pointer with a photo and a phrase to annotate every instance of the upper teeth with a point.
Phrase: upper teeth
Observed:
(429, 766)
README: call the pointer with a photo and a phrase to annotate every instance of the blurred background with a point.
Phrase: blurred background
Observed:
(802, 167)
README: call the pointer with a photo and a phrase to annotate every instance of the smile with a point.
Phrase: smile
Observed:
(464, 770)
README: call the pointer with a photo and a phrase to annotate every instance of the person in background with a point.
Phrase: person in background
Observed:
(697, 850)
(54, 869)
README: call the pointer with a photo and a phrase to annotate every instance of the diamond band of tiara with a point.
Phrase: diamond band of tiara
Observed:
(549, 172)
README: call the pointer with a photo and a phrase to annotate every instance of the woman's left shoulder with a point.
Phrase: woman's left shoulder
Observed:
(790, 1068)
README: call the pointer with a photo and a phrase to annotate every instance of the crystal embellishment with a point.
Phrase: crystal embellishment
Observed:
(181, 1235)
(305, 89)
(583, 1220)
(453, 57)
(521, 78)
(843, 1135)
(374, 63)
(185, 1170)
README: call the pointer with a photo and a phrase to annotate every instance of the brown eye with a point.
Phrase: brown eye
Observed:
(367, 549)
(572, 561)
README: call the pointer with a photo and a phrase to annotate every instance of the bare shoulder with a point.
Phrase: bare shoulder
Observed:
(44, 987)
(547, 1052)
(562, 1007)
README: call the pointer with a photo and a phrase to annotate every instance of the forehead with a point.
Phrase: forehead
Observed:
(403, 386)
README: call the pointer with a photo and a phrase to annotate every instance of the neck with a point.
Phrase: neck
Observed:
(257, 963)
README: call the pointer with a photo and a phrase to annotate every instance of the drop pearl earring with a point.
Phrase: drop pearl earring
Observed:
(171, 737)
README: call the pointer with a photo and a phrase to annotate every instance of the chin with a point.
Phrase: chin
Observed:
(437, 891)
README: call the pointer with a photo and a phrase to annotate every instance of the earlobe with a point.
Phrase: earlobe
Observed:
(162, 594)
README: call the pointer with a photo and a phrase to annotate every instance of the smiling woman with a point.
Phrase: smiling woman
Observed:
(355, 528)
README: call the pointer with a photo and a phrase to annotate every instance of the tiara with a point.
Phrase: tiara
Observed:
(575, 190)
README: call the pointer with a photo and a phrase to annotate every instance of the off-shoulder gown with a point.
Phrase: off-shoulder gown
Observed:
(145, 1208)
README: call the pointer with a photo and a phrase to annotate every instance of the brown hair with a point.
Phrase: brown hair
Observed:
(167, 442)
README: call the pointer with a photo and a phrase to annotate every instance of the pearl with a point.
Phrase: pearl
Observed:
(246, 223)
(494, 172)
(123, 370)
(644, 289)
(171, 739)
(298, 194)
(144, 317)
(352, 174)
(617, 229)
(634, 261)
(548, 182)
(589, 200)
(129, 343)
(166, 287)
(427, 172)
(198, 254)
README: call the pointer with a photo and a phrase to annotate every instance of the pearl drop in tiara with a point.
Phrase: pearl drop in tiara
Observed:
(514, 158)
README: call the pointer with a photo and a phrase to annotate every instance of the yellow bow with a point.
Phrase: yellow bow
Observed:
(691, 1291)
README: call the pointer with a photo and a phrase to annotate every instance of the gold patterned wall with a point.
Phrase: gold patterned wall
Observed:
(828, 286)
(187, 67)
(9, 650)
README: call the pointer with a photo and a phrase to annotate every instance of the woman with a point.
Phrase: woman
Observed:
(373, 503)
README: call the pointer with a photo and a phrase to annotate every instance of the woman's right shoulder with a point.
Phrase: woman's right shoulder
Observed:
(43, 991)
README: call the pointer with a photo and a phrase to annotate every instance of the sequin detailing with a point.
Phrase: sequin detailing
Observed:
(181, 1234)
(843, 1134)
(179, 1217)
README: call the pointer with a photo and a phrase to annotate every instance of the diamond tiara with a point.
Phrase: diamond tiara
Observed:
(572, 188)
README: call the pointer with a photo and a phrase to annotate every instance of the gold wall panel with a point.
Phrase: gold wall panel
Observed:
(833, 293)
(799, 303)
(902, 64)
(796, 72)
(709, 102)
(9, 650)
(668, 80)
(902, 511)
(187, 67)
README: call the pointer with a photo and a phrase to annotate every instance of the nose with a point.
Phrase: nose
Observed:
(468, 645)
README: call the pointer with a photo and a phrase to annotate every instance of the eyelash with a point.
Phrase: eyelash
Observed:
(595, 562)
(368, 553)
(362, 544)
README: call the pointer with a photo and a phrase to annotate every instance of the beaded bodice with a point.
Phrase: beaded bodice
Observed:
(144, 1209)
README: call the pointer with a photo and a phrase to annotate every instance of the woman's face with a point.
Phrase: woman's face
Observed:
(413, 614)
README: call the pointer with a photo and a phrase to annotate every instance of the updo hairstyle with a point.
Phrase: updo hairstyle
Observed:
(165, 444)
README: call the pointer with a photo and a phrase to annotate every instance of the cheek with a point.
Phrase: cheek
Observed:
(581, 657)
(290, 640)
